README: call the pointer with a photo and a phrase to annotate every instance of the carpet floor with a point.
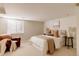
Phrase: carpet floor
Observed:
(27, 49)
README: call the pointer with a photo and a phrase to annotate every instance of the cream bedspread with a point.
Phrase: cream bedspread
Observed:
(43, 43)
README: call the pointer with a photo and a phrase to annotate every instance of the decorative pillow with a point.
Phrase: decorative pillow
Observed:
(56, 33)
(48, 30)
(52, 32)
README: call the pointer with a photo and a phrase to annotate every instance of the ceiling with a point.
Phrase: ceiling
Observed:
(38, 11)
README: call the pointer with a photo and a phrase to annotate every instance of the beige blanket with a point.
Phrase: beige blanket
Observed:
(51, 46)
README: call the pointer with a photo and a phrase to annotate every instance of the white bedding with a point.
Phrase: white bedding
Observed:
(41, 43)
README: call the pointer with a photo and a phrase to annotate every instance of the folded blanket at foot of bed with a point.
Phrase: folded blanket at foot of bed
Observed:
(51, 46)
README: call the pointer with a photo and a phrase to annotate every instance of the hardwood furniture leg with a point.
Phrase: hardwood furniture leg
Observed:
(68, 42)
(72, 42)
(65, 40)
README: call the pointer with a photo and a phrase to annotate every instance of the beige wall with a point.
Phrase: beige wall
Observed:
(31, 28)
(2, 26)
(77, 14)
(78, 37)
(65, 23)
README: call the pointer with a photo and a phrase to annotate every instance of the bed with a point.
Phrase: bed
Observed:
(46, 44)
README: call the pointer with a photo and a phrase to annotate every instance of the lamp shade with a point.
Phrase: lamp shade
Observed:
(2, 10)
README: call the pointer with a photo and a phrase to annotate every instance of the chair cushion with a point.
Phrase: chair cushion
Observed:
(5, 36)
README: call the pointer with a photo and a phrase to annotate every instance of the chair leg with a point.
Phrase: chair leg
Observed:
(65, 41)
(68, 42)
(72, 42)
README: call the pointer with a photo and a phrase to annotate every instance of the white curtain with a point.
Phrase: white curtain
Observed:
(15, 26)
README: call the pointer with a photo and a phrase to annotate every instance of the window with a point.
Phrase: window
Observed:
(15, 26)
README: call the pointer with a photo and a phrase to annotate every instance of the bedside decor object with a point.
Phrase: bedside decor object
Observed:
(2, 10)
